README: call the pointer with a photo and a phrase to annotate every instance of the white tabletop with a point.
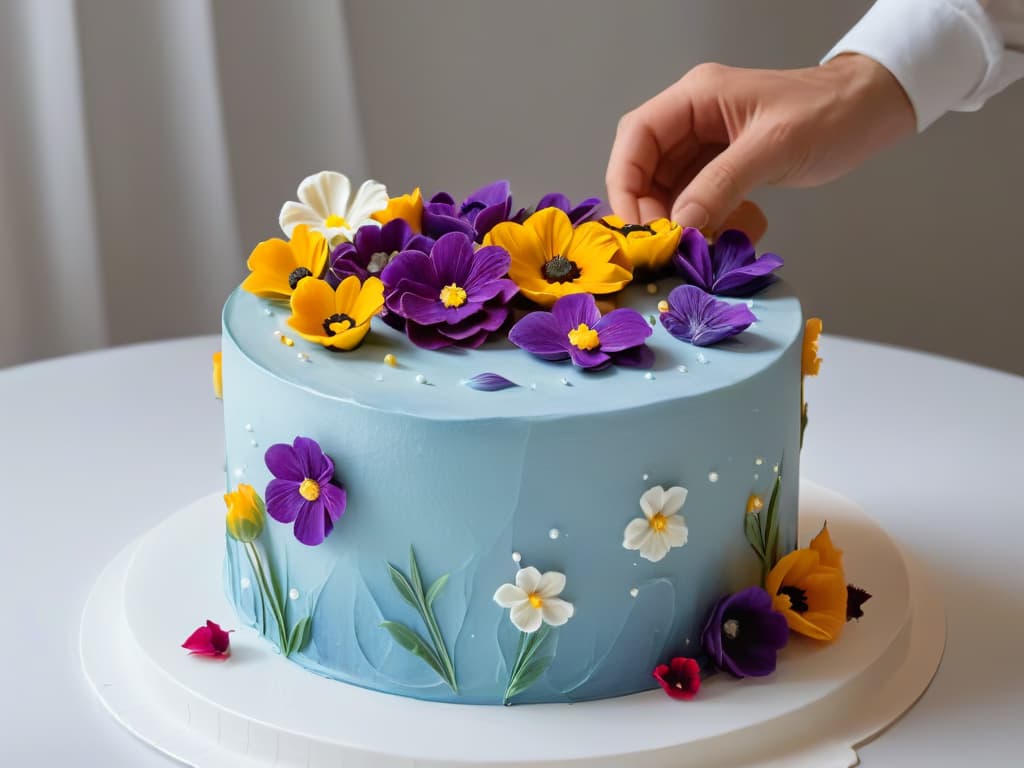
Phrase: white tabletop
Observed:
(97, 448)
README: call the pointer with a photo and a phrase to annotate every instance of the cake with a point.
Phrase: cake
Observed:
(464, 467)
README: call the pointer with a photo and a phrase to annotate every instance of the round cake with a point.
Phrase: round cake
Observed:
(503, 528)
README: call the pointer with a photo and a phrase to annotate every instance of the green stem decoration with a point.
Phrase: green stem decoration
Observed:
(528, 666)
(259, 590)
(273, 598)
(763, 534)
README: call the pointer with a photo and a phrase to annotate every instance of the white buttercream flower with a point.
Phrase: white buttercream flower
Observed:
(326, 206)
(661, 527)
(534, 598)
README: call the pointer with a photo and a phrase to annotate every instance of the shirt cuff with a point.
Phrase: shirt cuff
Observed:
(940, 51)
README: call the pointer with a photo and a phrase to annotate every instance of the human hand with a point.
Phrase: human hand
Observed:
(694, 151)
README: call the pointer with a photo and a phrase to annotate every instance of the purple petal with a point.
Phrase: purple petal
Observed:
(635, 357)
(436, 225)
(490, 194)
(283, 500)
(589, 359)
(311, 458)
(621, 329)
(693, 258)
(747, 280)
(489, 263)
(394, 236)
(409, 265)
(720, 324)
(540, 334)
(697, 317)
(555, 200)
(426, 336)
(588, 210)
(489, 382)
(368, 241)
(732, 250)
(490, 217)
(488, 319)
(283, 462)
(452, 255)
(575, 309)
(423, 310)
(312, 525)
(335, 499)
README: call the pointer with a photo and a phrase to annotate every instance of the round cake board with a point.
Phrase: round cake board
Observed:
(256, 708)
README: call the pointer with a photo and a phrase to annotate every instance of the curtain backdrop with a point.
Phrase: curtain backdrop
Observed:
(145, 146)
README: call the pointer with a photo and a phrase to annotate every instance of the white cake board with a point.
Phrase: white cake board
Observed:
(259, 709)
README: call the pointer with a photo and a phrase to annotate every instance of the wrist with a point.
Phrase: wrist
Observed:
(867, 88)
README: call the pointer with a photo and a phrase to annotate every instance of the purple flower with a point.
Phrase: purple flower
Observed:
(574, 328)
(372, 249)
(302, 490)
(453, 296)
(701, 319)
(590, 209)
(743, 634)
(727, 268)
(474, 217)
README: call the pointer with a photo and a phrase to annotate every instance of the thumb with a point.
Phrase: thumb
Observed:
(721, 185)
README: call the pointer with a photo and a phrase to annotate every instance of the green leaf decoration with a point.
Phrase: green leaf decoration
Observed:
(528, 675)
(528, 667)
(435, 589)
(413, 643)
(752, 528)
(771, 524)
(402, 585)
(803, 424)
(299, 635)
(414, 573)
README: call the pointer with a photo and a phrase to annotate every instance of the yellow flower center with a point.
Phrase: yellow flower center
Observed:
(754, 504)
(584, 337)
(334, 220)
(535, 600)
(309, 490)
(658, 523)
(453, 296)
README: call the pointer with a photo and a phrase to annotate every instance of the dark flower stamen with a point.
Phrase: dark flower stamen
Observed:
(628, 229)
(560, 270)
(338, 318)
(797, 598)
(296, 275)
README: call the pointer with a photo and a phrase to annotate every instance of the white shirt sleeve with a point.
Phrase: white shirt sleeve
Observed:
(947, 54)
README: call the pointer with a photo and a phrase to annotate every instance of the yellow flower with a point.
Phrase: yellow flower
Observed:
(277, 267)
(810, 362)
(647, 246)
(340, 318)
(550, 259)
(808, 588)
(246, 513)
(408, 207)
(218, 376)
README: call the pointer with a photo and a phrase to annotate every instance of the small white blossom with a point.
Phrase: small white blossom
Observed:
(534, 599)
(326, 206)
(662, 527)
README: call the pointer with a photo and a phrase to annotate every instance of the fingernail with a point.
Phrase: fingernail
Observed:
(691, 215)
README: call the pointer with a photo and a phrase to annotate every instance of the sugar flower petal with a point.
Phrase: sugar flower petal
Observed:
(661, 528)
(730, 267)
(303, 490)
(208, 640)
(338, 318)
(508, 595)
(528, 579)
(680, 678)
(326, 206)
(556, 612)
(526, 618)
(810, 363)
(534, 600)
(743, 633)
(277, 267)
(700, 319)
(489, 382)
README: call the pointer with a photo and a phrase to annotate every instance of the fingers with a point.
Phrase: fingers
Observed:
(749, 219)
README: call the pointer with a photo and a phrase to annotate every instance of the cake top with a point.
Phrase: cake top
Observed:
(479, 309)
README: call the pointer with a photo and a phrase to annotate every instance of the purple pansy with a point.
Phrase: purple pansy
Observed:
(727, 268)
(589, 209)
(372, 249)
(452, 296)
(701, 319)
(474, 217)
(743, 634)
(303, 490)
(575, 329)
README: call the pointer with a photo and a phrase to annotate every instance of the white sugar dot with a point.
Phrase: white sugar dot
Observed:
(303, 357)
(253, 443)
(750, 303)
(240, 472)
(636, 565)
(759, 461)
(649, 376)
(268, 311)
(277, 333)
(775, 469)
(681, 368)
(687, 641)
(713, 477)
(293, 594)
(516, 557)
(245, 582)
(566, 382)
(248, 428)
(533, 385)
(554, 533)
(646, 476)
(756, 476)
(379, 377)
(634, 592)
(702, 359)
(421, 379)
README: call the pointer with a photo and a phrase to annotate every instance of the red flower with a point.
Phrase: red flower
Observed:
(680, 677)
(210, 640)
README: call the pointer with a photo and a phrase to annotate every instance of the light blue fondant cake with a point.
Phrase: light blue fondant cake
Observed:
(482, 486)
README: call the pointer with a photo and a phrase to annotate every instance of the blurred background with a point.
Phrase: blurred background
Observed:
(147, 145)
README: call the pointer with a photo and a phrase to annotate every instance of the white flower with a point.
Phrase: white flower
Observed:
(327, 209)
(661, 527)
(534, 598)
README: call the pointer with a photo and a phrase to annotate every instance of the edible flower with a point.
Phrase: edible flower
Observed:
(810, 363)
(680, 678)
(551, 259)
(246, 513)
(727, 268)
(533, 599)
(303, 490)
(452, 296)
(744, 634)
(662, 527)
(575, 329)
(326, 206)
(406, 207)
(218, 375)
(208, 640)
(338, 318)
(586, 210)
(277, 267)
(649, 246)
(807, 586)
(474, 216)
(700, 319)
(373, 248)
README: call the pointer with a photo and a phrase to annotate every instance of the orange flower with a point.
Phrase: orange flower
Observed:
(276, 267)
(649, 246)
(218, 377)
(408, 207)
(336, 318)
(808, 588)
(810, 362)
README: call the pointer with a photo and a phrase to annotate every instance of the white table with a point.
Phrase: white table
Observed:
(97, 448)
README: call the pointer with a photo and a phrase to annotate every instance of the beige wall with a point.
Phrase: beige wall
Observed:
(919, 248)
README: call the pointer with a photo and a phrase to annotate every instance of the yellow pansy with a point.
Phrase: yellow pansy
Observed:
(337, 318)
(277, 267)
(810, 362)
(550, 259)
(218, 376)
(246, 513)
(408, 207)
(808, 588)
(647, 246)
